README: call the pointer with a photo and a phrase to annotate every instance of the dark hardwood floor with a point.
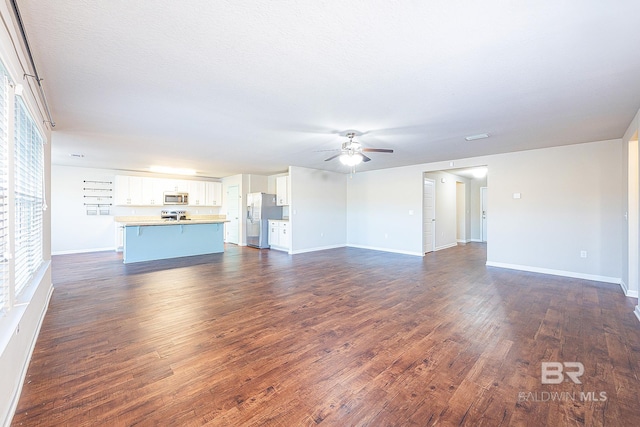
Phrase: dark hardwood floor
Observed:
(339, 337)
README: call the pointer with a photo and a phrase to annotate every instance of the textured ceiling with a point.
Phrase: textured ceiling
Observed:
(230, 86)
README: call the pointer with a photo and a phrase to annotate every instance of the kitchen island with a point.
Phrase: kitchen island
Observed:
(147, 240)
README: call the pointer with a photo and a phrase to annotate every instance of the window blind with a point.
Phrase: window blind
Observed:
(28, 196)
(5, 281)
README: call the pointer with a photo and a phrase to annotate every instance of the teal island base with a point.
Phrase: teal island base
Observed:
(153, 242)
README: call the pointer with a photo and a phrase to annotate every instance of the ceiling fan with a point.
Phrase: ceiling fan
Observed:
(351, 153)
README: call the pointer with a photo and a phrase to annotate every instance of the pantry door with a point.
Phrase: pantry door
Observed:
(233, 215)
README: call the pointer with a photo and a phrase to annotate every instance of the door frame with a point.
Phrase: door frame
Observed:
(483, 214)
(424, 214)
(240, 212)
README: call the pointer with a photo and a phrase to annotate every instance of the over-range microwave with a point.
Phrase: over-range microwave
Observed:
(175, 198)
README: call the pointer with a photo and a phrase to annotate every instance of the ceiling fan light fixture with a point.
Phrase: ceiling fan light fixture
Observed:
(352, 159)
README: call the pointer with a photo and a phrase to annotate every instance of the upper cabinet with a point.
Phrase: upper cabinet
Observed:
(128, 190)
(282, 190)
(153, 191)
(214, 193)
(145, 191)
(197, 193)
(177, 185)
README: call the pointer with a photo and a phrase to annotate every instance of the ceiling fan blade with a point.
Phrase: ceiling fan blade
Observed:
(332, 157)
(364, 158)
(377, 150)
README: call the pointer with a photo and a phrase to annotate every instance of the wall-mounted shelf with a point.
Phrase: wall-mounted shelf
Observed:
(98, 197)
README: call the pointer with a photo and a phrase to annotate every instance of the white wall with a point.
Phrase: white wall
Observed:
(259, 184)
(572, 200)
(318, 209)
(73, 230)
(631, 242)
(19, 327)
(379, 210)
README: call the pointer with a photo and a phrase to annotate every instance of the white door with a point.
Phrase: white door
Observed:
(233, 215)
(429, 215)
(483, 208)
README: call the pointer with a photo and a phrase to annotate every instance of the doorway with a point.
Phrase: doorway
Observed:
(452, 210)
(429, 217)
(483, 210)
(633, 217)
(232, 228)
(461, 212)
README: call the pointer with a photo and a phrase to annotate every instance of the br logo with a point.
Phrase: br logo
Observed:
(552, 372)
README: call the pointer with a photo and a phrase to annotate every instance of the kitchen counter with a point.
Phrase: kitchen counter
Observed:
(147, 239)
(154, 220)
(151, 222)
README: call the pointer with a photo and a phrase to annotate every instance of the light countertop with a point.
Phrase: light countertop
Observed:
(132, 221)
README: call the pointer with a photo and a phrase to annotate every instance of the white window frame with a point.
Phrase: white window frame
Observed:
(6, 297)
(28, 197)
(22, 165)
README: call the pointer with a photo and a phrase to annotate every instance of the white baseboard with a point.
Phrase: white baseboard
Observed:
(82, 251)
(637, 312)
(315, 249)
(572, 274)
(627, 291)
(476, 240)
(450, 245)
(395, 251)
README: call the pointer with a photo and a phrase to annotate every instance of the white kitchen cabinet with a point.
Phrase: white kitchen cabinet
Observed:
(284, 238)
(128, 190)
(279, 236)
(197, 193)
(274, 233)
(153, 191)
(282, 190)
(205, 193)
(146, 191)
(214, 193)
(177, 185)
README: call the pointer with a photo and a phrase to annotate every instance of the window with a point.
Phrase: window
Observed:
(28, 196)
(4, 191)
(21, 195)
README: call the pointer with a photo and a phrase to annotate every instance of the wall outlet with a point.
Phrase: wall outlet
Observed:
(321, 234)
(386, 236)
(583, 254)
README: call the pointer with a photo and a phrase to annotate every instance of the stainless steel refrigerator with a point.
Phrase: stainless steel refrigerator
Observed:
(261, 207)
